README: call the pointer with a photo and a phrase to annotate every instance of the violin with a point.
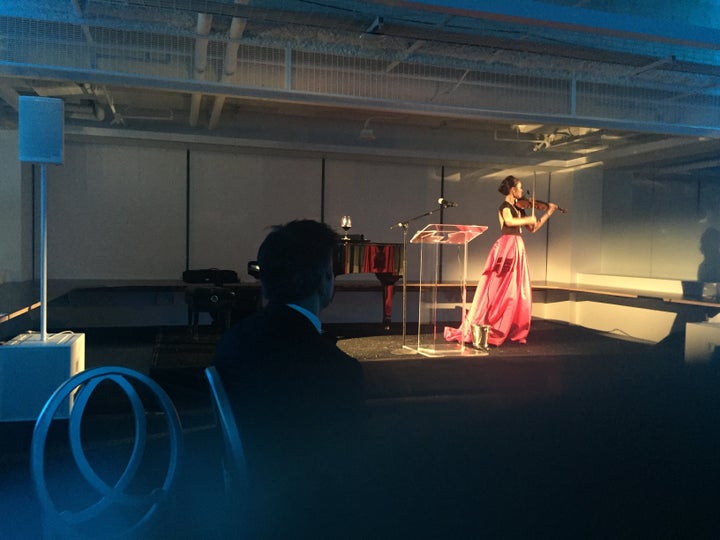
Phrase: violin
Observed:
(543, 206)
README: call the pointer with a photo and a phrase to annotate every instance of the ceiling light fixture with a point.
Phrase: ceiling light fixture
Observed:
(366, 133)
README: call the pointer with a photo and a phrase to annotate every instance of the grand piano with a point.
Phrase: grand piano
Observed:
(358, 256)
(385, 260)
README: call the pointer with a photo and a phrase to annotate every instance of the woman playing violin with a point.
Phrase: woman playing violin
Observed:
(503, 298)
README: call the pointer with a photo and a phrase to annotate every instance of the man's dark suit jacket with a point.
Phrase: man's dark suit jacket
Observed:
(297, 398)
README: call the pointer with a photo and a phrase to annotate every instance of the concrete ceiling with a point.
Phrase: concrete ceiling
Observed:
(516, 85)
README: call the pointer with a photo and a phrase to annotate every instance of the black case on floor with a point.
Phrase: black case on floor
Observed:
(210, 275)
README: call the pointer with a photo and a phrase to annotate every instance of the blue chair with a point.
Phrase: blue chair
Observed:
(115, 508)
(237, 511)
(235, 474)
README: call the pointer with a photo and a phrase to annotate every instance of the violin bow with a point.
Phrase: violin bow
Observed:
(533, 193)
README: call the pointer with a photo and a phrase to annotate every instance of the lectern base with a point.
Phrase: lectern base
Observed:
(449, 349)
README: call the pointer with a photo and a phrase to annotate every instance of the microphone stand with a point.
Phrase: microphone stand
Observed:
(404, 226)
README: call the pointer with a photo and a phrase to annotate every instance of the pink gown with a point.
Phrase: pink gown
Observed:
(503, 298)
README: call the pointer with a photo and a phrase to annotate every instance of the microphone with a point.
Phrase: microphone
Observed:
(447, 204)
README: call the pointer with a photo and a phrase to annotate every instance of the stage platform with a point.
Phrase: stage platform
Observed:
(556, 358)
(576, 434)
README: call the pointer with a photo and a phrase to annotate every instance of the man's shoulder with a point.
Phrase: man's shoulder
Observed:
(274, 328)
(267, 318)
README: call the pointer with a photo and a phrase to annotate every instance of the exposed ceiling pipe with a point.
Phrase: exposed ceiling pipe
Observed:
(204, 24)
(455, 86)
(543, 141)
(86, 32)
(685, 168)
(544, 144)
(92, 111)
(132, 113)
(519, 137)
(117, 117)
(539, 142)
(237, 27)
(406, 54)
(654, 65)
(374, 26)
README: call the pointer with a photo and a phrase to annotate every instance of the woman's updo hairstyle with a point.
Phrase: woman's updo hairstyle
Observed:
(507, 185)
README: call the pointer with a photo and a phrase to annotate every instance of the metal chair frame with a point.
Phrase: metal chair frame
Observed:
(82, 385)
(234, 461)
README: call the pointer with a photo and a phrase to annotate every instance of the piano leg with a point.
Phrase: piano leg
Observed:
(388, 281)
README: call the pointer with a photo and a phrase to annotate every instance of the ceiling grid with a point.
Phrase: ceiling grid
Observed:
(425, 63)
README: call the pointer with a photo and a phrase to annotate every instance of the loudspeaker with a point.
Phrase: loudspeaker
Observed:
(40, 130)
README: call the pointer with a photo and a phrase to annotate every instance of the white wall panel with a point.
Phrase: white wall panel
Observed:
(478, 201)
(236, 198)
(378, 196)
(11, 211)
(116, 212)
(652, 227)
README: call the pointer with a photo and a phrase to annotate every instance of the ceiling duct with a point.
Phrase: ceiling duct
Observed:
(91, 111)
(516, 137)
(230, 63)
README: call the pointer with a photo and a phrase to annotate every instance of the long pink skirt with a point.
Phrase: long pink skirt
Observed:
(503, 298)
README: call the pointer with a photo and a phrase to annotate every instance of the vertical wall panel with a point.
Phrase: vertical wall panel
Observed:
(652, 226)
(626, 245)
(675, 230)
(236, 198)
(13, 243)
(575, 238)
(116, 212)
(478, 200)
(380, 195)
(119, 212)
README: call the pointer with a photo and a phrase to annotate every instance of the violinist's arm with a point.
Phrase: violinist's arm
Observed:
(540, 222)
(511, 221)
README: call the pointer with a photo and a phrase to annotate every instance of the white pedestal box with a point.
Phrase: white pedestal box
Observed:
(701, 340)
(31, 370)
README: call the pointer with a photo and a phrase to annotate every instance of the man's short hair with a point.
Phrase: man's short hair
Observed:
(293, 259)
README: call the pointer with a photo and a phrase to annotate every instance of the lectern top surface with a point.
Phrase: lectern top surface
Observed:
(445, 233)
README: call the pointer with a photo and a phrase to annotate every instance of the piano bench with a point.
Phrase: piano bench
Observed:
(217, 301)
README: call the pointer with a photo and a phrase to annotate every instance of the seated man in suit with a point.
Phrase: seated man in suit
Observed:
(296, 395)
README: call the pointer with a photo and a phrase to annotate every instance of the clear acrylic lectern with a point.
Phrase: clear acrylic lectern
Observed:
(430, 341)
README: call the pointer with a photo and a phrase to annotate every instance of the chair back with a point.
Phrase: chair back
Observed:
(234, 461)
(112, 503)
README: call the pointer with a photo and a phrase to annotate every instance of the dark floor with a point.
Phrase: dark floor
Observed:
(574, 435)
